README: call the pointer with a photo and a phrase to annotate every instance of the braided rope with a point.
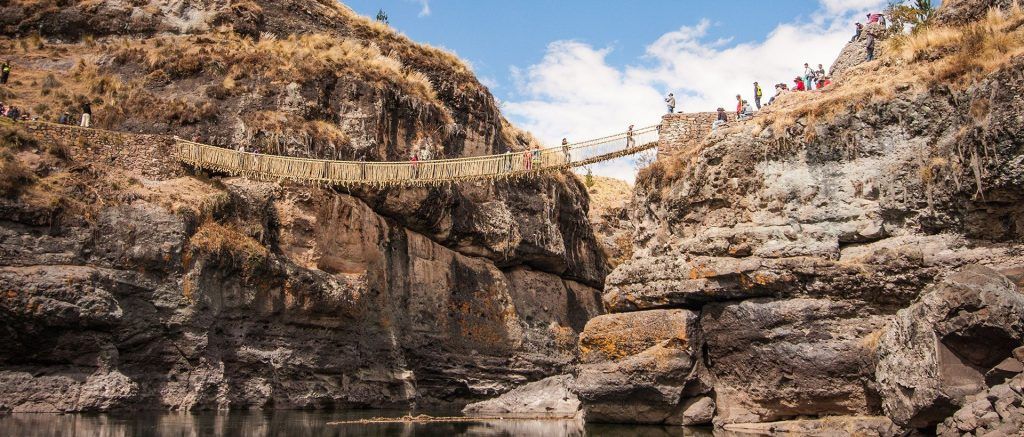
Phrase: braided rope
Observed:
(512, 165)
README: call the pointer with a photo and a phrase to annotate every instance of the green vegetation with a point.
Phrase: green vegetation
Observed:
(916, 16)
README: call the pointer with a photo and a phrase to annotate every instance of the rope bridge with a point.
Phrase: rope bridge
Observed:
(434, 172)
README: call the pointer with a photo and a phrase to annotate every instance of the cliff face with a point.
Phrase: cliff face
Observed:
(131, 283)
(794, 262)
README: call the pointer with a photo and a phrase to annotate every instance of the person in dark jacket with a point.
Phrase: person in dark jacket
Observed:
(86, 114)
(871, 48)
(5, 72)
(857, 32)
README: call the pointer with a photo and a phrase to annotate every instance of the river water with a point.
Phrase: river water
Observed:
(302, 423)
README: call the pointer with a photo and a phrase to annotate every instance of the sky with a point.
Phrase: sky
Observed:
(587, 68)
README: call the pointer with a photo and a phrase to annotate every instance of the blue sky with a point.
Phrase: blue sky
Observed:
(497, 35)
(584, 68)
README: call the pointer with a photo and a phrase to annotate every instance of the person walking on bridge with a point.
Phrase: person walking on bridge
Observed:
(671, 102)
(414, 161)
(630, 142)
(565, 150)
(757, 95)
(535, 155)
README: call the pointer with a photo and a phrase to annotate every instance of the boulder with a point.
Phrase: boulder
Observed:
(774, 359)
(698, 411)
(997, 411)
(547, 398)
(938, 351)
(638, 367)
(964, 11)
(829, 426)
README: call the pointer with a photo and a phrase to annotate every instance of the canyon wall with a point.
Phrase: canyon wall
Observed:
(131, 282)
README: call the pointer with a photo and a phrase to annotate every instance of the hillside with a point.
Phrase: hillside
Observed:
(847, 262)
(138, 283)
(821, 261)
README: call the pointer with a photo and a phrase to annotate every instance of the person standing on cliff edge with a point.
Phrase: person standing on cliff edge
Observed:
(671, 102)
(757, 95)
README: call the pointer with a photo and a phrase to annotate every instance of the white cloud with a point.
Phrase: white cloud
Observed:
(843, 6)
(573, 92)
(424, 7)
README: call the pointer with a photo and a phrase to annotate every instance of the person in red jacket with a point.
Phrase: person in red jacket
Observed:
(739, 105)
(799, 84)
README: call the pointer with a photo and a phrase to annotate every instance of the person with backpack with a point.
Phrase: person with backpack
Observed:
(5, 72)
(671, 102)
(757, 95)
(86, 114)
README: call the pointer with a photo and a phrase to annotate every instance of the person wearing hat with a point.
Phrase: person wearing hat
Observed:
(720, 120)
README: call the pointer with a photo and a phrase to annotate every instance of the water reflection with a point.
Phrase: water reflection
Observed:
(294, 423)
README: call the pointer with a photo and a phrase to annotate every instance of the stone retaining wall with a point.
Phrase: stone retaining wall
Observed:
(682, 131)
(148, 155)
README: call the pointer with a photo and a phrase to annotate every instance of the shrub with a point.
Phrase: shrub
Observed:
(13, 176)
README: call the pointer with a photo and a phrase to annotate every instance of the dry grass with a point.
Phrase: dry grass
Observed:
(287, 134)
(954, 56)
(14, 176)
(517, 139)
(213, 238)
(296, 58)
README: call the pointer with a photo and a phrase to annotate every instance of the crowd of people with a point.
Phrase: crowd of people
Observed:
(810, 79)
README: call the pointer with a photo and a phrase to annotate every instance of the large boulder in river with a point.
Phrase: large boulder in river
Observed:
(775, 359)
(547, 398)
(939, 350)
(638, 367)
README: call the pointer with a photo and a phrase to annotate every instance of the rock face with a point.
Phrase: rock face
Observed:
(997, 411)
(130, 282)
(830, 262)
(635, 367)
(609, 216)
(939, 350)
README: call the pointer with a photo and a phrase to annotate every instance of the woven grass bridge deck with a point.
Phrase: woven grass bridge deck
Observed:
(408, 173)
